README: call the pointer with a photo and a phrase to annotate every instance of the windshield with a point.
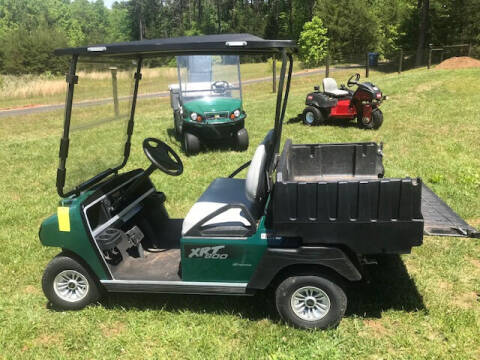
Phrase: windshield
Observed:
(207, 76)
(100, 114)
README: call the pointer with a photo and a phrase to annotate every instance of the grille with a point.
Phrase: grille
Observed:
(216, 115)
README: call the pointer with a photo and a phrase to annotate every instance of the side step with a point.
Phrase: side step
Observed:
(441, 220)
(176, 287)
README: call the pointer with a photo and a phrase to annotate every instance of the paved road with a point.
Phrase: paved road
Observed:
(44, 108)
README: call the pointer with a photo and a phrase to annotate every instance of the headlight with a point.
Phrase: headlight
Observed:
(236, 113)
(193, 116)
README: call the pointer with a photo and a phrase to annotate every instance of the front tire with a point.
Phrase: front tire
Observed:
(178, 123)
(68, 285)
(242, 140)
(310, 302)
(374, 122)
(377, 118)
(313, 116)
(191, 144)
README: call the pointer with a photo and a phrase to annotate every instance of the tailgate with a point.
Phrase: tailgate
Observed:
(440, 219)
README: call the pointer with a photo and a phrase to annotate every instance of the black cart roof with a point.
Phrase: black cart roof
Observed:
(186, 45)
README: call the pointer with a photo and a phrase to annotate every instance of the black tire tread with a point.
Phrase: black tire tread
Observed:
(191, 144)
(318, 115)
(242, 140)
(335, 292)
(60, 263)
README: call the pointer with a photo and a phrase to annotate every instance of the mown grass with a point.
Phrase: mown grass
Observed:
(424, 305)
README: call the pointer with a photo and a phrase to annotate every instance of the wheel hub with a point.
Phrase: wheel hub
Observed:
(366, 120)
(309, 117)
(310, 303)
(71, 286)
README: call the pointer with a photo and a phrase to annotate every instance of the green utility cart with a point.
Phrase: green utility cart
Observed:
(207, 102)
(299, 227)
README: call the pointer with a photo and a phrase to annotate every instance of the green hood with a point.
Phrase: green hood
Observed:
(201, 106)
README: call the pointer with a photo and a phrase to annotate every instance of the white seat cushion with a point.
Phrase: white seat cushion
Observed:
(249, 192)
(330, 87)
(256, 177)
(221, 192)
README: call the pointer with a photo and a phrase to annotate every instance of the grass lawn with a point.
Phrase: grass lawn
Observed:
(422, 305)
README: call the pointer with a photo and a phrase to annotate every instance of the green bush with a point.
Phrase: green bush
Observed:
(24, 51)
(313, 42)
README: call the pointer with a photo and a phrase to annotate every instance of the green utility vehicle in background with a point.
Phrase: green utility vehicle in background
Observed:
(299, 227)
(207, 102)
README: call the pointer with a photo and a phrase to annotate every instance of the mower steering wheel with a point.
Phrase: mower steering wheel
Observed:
(352, 82)
(220, 86)
(162, 156)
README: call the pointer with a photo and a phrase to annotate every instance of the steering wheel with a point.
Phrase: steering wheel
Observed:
(162, 156)
(220, 86)
(352, 82)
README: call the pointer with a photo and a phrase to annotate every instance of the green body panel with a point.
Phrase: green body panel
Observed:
(75, 240)
(244, 254)
(212, 105)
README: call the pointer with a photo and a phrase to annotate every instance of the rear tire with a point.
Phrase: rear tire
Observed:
(68, 285)
(310, 302)
(313, 116)
(242, 140)
(191, 144)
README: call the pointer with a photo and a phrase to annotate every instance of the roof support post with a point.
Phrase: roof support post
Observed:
(131, 121)
(278, 109)
(281, 104)
(71, 79)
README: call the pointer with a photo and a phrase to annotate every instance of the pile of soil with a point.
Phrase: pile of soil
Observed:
(460, 62)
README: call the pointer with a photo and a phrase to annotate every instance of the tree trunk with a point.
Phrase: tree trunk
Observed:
(424, 7)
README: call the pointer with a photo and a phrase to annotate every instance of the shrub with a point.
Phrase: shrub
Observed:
(313, 42)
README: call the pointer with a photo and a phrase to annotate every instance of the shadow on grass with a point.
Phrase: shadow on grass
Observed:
(390, 287)
(344, 123)
(218, 145)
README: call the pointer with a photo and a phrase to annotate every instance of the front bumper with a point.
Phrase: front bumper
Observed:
(214, 131)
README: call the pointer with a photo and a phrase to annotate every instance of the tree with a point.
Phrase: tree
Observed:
(313, 42)
(423, 7)
(25, 51)
(352, 27)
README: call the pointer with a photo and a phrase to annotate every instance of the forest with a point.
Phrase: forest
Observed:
(31, 29)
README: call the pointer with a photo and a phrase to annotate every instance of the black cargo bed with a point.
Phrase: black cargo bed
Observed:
(336, 194)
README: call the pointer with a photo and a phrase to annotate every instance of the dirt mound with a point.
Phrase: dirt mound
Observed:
(460, 62)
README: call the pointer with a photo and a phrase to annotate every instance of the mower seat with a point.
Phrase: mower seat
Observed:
(243, 200)
(330, 87)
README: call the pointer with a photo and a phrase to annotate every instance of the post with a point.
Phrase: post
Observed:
(469, 50)
(274, 70)
(441, 54)
(327, 65)
(400, 62)
(115, 91)
(429, 65)
(367, 67)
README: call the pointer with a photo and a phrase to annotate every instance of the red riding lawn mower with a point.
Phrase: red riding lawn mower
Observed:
(343, 103)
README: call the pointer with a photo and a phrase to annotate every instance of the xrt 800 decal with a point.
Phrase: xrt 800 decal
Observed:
(208, 252)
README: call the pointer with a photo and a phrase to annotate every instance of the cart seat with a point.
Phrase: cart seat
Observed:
(231, 207)
(330, 87)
